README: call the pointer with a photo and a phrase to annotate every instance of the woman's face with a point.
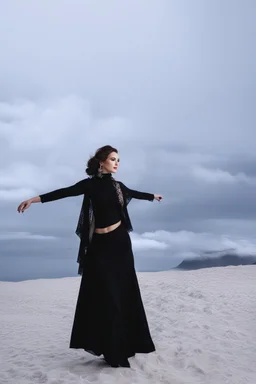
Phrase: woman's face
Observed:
(110, 165)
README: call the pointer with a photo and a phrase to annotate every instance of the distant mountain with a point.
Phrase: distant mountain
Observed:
(221, 261)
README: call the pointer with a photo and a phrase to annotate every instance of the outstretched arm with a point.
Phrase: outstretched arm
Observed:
(74, 190)
(140, 195)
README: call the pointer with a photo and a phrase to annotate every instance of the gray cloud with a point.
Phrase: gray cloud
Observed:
(171, 84)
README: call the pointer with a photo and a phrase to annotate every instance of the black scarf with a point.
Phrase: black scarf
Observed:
(86, 222)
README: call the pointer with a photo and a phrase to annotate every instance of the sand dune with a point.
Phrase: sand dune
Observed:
(202, 323)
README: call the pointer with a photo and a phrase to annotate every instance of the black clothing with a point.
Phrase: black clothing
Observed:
(89, 185)
(97, 196)
(109, 318)
(104, 202)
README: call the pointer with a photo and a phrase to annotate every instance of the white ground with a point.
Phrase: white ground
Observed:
(203, 324)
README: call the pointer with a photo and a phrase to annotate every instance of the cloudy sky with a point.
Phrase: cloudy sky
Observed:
(171, 84)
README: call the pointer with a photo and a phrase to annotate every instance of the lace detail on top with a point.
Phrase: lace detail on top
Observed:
(86, 222)
(88, 225)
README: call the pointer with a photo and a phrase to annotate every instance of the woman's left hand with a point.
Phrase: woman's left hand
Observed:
(158, 197)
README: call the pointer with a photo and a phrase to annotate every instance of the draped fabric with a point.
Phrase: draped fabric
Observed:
(110, 318)
(86, 222)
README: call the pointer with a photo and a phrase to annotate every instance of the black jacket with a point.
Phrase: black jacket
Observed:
(85, 225)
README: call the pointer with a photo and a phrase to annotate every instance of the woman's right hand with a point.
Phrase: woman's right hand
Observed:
(24, 205)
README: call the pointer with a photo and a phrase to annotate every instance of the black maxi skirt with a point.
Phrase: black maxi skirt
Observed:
(110, 318)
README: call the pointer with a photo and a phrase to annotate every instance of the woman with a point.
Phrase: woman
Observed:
(109, 318)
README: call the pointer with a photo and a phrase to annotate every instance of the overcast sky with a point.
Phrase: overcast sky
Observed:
(171, 84)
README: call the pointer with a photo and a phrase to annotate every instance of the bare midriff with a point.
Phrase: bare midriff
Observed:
(107, 229)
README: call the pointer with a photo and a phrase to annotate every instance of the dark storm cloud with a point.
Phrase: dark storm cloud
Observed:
(170, 84)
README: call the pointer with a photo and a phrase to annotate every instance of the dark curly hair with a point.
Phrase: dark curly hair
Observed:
(101, 154)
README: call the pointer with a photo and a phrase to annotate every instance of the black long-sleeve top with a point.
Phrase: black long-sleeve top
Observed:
(103, 196)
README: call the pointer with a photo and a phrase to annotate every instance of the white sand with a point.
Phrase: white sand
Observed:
(203, 324)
